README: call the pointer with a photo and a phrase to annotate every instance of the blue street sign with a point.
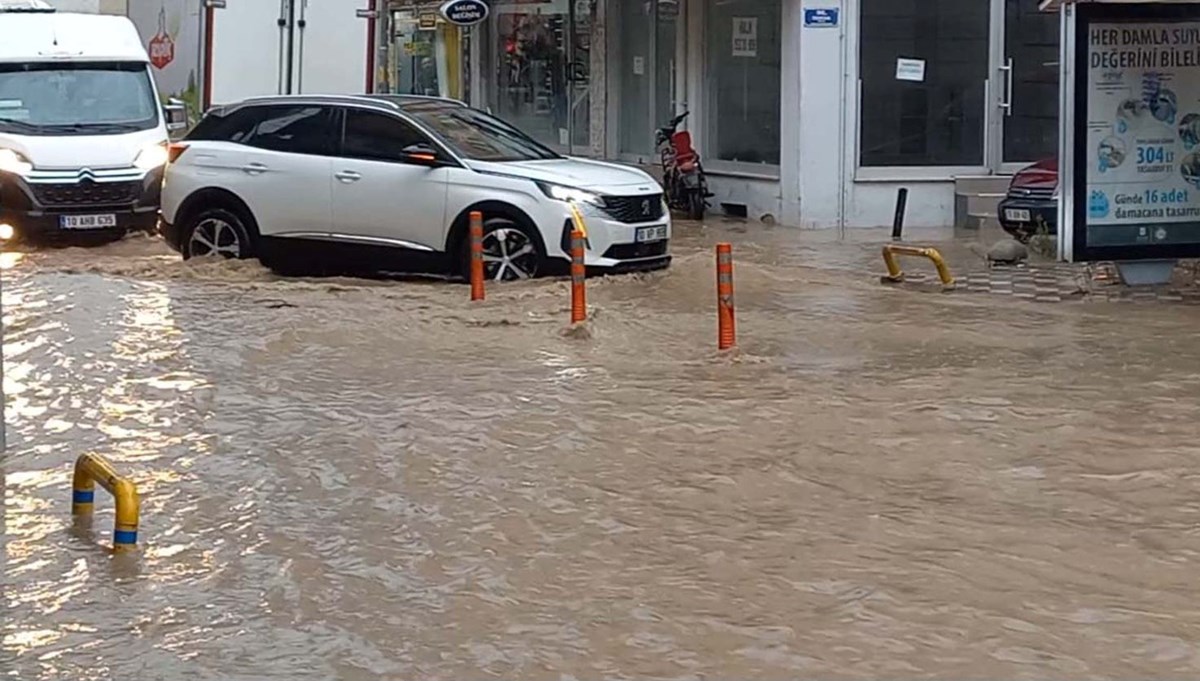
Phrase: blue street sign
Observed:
(822, 18)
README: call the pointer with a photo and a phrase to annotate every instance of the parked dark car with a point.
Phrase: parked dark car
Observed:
(1032, 201)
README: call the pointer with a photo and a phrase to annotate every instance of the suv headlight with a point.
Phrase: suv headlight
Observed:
(559, 192)
(151, 157)
(14, 162)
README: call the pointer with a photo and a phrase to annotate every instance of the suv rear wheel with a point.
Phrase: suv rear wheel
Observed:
(217, 231)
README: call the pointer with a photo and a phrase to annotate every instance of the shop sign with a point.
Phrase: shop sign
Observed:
(822, 17)
(427, 22)
(1143, 134)
(745, 36)
(464, 12)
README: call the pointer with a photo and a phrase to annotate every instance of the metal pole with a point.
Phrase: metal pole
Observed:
(901, 207)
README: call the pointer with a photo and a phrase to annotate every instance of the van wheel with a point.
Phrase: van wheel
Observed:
(510, 252)
(217, 232)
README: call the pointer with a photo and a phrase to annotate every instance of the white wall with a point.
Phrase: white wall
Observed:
(90, 6)
(181, 22)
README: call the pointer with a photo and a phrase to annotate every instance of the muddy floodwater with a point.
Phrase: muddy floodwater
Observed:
(353, 479)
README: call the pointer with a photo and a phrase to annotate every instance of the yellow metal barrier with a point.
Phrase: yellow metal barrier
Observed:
(896, 275)
(92, 468)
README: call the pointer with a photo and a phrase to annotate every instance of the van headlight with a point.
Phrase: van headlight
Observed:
(151, 157)
(559, 192)
(14, 162)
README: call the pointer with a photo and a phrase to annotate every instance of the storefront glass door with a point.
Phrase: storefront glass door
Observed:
(1029, 82)
(643, 47)
(541, 79)
(425, 56)
(957, 86)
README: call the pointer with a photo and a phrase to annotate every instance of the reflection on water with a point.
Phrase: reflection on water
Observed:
(375, 480)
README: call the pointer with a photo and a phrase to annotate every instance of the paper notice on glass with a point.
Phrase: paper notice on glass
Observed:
(912, 70)
(745, 36)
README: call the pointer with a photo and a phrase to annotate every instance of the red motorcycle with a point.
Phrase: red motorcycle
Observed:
(683, 175)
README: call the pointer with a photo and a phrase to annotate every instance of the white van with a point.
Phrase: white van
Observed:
(83, 137)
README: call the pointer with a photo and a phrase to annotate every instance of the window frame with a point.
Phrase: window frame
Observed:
(701, 126)
(329, 111)
(447, 157)
(908, 173)
(260, 111)
(218, 120)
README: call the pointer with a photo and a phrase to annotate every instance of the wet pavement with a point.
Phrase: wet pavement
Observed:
(350, 479)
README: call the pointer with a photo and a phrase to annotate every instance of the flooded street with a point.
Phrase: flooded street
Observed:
(352, 479)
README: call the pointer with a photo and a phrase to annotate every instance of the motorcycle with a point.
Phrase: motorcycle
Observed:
(683, 175)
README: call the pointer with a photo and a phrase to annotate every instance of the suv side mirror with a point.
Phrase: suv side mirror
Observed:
(176, 114)
(422, 154)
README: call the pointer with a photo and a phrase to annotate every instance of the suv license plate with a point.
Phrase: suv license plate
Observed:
(87, 221)
(655, 233)
(1016, 215)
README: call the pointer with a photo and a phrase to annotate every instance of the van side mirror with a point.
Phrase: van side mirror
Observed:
(422, 155)
(176, 115)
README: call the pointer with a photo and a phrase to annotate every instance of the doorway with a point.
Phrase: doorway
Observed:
(541, 75)
(425, 55)
(1028, 83)
(645, 68)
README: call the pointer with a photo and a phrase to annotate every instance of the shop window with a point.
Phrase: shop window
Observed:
(743, 46)
(643, 47)
(923, 66)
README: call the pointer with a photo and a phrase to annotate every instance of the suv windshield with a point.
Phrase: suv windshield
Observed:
(80, 98)
(476, 135)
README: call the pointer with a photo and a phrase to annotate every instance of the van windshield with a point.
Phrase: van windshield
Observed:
(82, 98)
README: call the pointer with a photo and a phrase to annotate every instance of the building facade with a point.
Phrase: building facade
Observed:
(91, 6)
(807, 112)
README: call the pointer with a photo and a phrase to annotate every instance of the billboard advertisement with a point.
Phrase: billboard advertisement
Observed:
(1137, 133)
(171, 31)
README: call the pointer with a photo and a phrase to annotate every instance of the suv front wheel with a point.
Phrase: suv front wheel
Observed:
(510, 252)
(219, 232)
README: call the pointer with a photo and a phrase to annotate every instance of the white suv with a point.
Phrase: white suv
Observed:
(273, 177)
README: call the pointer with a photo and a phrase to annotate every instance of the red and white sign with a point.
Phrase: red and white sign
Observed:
(162, 51)
(162, 45)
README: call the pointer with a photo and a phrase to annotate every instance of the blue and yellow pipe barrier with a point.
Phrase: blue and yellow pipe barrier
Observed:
(91, 469)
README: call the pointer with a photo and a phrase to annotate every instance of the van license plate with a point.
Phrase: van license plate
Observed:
(655, 233)
(87, 221)
(1016, 215)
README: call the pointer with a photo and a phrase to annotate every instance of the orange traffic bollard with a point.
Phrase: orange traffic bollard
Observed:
(578, 276)
(726, 329)
(477, 256)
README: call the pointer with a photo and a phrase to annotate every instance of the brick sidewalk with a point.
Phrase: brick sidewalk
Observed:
(1058, 282)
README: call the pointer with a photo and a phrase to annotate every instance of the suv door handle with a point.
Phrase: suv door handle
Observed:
(254, 169)
(348, 176)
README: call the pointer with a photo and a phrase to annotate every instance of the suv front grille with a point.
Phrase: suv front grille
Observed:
(87, 193)
(634, 209)
(1036, 194)
(654, 249)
